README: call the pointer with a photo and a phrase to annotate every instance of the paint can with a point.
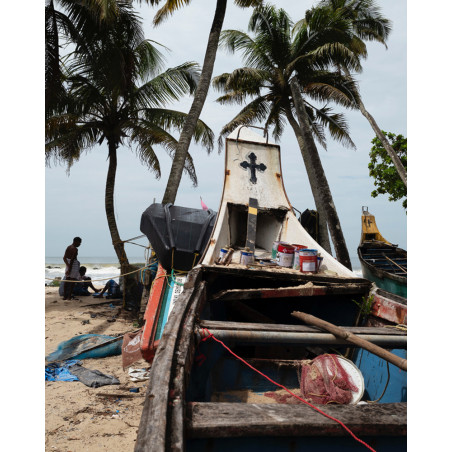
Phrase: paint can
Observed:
(275, 248)
(246, 258)
(223, 253)
(319, 262)
(285, 255)
(296, 258)
(308, 260)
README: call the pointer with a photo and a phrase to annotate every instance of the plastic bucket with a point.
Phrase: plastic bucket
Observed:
(296, 258)
(246, 258)
(285, 255)
(308, 260)
(275, 249)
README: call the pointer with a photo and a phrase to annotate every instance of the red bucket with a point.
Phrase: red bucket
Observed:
(308, 261)
(285, 255)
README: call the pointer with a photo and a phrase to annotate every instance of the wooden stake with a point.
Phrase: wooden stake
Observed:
(395, 263)
(350, 337)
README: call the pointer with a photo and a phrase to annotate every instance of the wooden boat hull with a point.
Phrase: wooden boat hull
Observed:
(385, 282)
(381, 262)
(188, 377)
(203, 394)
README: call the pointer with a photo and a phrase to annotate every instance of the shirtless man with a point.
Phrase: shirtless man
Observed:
(72, 267)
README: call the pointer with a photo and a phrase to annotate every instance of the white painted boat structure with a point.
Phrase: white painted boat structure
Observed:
(276, 220)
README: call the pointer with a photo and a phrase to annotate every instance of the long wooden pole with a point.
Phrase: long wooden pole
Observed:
(350, 337)
(395, 263)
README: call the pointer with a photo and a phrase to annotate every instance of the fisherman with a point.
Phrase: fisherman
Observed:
(112, 288)
(81, 288)
(72, 272)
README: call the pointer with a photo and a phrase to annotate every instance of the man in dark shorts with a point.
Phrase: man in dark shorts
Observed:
(72, 267)
(81, 287)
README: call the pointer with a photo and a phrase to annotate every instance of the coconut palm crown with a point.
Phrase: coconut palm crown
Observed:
(116, 90)
(278, 51)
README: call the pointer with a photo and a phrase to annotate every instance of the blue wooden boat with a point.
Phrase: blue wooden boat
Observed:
(203, 397)
(381, 261)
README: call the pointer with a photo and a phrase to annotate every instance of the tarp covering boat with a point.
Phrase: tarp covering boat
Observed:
(178, 235)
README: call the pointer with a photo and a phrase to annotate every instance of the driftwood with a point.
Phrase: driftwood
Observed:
(350, 337)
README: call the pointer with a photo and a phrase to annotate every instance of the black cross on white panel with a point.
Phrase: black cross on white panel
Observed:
(253, 166)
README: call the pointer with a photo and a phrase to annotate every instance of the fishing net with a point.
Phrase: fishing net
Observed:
(324, 380)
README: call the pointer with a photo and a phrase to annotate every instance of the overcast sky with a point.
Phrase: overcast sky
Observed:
(75, 203)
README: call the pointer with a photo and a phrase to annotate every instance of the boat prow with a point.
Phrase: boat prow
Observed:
(381, 261)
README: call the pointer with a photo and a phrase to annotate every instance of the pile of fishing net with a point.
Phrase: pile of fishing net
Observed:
(324, 380)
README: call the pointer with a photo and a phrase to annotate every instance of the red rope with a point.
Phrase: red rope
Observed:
(210, 335)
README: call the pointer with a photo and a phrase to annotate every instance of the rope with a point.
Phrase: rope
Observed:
(103, 279)
(210, 335)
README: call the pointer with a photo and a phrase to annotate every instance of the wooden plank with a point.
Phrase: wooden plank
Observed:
(181, 373)
(217, 325)
(293, 277)
(318, 338)
(223, 420)
(152, 429)
(306, 290)
(252, 223)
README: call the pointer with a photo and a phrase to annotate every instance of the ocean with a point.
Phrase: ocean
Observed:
(101, 269)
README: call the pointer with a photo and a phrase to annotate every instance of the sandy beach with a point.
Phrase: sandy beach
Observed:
(78, 417)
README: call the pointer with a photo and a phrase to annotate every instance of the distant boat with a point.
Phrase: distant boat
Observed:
(381, 262)
(200, 396)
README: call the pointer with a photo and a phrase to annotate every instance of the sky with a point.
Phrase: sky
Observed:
(75, 202)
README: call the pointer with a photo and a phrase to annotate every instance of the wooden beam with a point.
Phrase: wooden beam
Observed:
(252, 223)
(306, 290)
(217, 325)
(367, 344)
(224, 420)
(317, 338)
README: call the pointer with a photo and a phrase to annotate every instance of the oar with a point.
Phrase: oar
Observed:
(390, 260)
(350, 337)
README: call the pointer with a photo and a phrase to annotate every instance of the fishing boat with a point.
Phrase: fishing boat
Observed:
(234, 343)
(381, 261)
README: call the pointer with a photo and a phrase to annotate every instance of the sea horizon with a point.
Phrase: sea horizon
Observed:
(102, 268)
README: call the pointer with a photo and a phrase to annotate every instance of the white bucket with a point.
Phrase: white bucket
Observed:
(246, 258)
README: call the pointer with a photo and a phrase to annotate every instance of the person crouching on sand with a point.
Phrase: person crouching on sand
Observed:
(81, 288)
(72, 267)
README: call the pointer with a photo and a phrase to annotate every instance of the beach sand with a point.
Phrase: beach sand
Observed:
(77, 417)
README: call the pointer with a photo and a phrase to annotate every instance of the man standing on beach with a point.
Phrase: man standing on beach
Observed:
(72, 267)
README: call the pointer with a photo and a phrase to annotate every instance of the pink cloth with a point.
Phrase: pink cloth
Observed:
(204, 207)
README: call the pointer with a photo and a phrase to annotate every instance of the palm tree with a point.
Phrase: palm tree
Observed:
(368, 24)
(76, 21)
(199, 99)
(116, 91)
(282, 62)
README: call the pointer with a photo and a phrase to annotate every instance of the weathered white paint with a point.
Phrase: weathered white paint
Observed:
(270, 194)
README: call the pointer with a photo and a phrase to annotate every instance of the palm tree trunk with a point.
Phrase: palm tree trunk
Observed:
(327, 200)
(110, 208)
(198, 102)
(324, 240)
(389, 149)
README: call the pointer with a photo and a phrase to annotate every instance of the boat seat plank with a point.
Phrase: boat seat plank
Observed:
(306, 290)
(221, 420)
(239, 326)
